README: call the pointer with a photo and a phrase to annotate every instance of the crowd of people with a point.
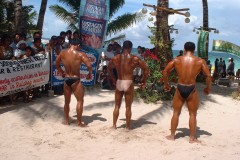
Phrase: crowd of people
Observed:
(221, 70)
(20, 46)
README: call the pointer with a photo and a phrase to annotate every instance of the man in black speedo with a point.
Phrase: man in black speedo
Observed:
(187, 67)
(72, 59)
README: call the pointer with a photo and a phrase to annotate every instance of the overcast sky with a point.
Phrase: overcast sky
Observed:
(222, 15)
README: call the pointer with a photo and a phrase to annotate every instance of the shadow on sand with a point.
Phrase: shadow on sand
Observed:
(89, 119)
(137, 123)
(184, 132)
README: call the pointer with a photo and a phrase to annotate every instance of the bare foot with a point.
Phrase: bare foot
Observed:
(170, 137)
(80, 124)
(113, 127)
(194, 140)
(128, 128)
(65, 122)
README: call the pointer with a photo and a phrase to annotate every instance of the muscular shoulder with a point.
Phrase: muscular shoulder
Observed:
(135, 58)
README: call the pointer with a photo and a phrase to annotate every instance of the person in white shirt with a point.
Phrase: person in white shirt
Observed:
(20, 51)
(107, 55)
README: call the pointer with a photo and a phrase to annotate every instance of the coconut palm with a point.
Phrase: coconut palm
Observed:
(7, 17)
(70, 15)
(41, 15)
(205, 21)
(18, 16)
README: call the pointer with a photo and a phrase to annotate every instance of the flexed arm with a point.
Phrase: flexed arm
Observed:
(166, 73)
(145, 69)
(110, 68)
(57, 64)
(87, 62)
(208, 77)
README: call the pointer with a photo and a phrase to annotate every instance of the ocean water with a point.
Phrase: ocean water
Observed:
(212, 57)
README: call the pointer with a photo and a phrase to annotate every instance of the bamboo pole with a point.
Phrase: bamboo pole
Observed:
(165, 9)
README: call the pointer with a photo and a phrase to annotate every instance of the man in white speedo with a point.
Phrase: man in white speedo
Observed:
(125, 63)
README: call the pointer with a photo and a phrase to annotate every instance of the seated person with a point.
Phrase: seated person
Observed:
(105, 79)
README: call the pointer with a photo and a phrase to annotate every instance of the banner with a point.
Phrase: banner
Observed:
(225, 46)
(93, 18)
(24, 74)
(201, 47)
(57, 78)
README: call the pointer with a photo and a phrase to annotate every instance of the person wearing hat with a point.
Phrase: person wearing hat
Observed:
(20, 51)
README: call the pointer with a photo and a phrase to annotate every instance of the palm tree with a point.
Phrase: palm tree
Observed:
(71, 16)
(164, 43)
(18, 16)
(205, 21)
(41, 15)
(7, 17)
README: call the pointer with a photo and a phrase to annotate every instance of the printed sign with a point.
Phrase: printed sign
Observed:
(94, 10)
(92, 32)
(24, 74)
(224, 46)
(57, 78)
(202, 40)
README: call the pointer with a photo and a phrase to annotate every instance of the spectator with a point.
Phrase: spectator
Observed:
(16, 39)
(37, 47)
(20, 51)
(220, 66)
(230, 69)
(6, 52)
(105, 80)
(180, 53)
(107, 55)
(209, 65)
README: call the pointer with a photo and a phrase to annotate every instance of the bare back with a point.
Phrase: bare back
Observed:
(188, 67)
(72, 60)
(125, 64)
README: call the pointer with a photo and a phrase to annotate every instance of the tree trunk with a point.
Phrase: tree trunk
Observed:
(163, 35)
(18, 27)
(41, 15)
(205, 21)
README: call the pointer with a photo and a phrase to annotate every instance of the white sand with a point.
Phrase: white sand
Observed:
(34, 131)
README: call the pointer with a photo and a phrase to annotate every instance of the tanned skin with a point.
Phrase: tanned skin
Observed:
(125, 64)
(72, 59)
(187, 67)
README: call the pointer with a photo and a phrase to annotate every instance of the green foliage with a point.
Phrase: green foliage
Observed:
(155, 87)
(154, 93)
(7, 17)
(70, 15)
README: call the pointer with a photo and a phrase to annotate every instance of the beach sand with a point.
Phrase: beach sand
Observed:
(34, 131)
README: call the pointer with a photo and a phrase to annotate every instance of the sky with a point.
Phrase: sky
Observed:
(222, 16)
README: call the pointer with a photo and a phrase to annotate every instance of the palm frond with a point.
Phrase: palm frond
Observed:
(115, 5)
(73, 5)
(62, 13)
(123, 22)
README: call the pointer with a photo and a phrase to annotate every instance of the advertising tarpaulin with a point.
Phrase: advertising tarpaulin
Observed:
(57, 78)
(225, 46)
(93, 18)
(24, 74)
(201, 47)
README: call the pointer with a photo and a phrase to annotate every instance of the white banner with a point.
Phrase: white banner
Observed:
(20, 75)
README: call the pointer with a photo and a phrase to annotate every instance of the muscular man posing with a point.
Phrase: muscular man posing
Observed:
(72, 59)
(188, 67)
(125, 64)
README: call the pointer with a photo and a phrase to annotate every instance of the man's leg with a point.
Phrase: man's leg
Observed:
(118, 101)
(193, 103)
(67, 95)
(128, 101)
(79, 94)
(177, 107)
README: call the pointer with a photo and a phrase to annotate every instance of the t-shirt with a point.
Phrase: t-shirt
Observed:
(108, 55)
